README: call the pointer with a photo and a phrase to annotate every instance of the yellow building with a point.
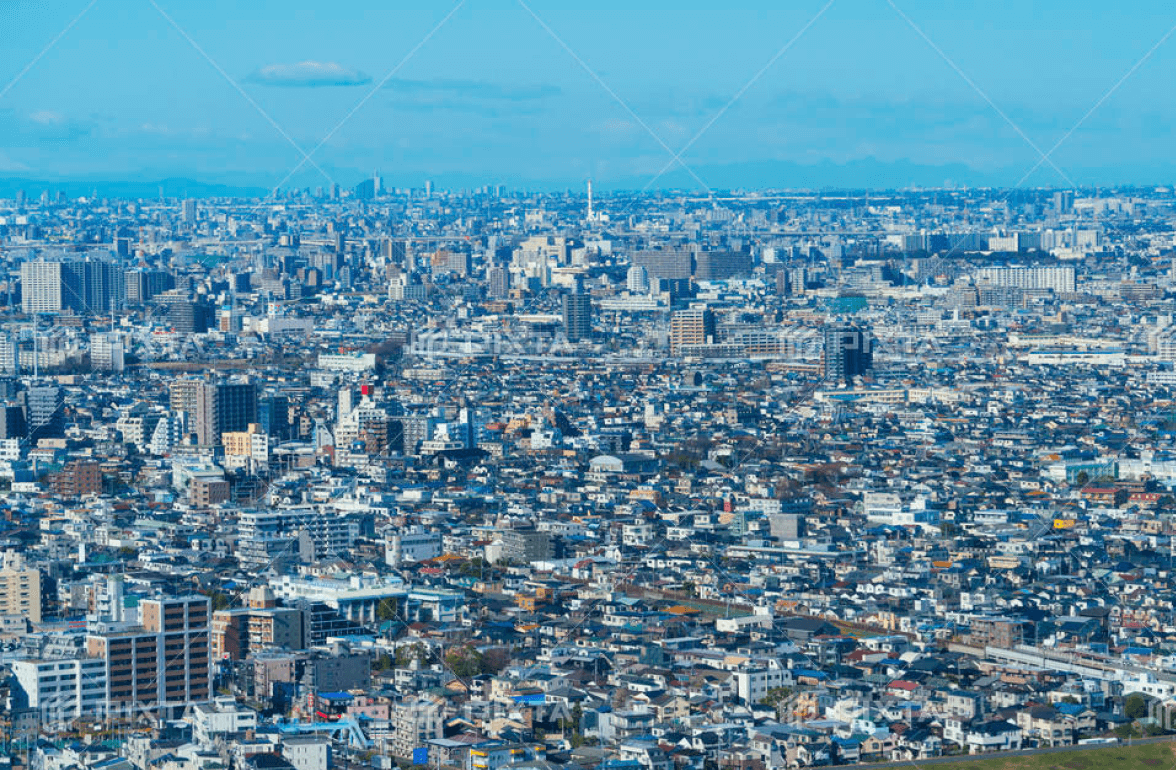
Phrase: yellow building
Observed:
(20, 589)
(240, 443)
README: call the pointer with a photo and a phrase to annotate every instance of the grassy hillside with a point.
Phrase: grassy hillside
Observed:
(1153, 756)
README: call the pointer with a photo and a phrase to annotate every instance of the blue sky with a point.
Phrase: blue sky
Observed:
(492, 97)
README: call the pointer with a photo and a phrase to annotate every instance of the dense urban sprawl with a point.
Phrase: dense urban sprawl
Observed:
(489, 479)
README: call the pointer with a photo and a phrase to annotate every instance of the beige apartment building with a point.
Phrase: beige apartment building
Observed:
(20, 588)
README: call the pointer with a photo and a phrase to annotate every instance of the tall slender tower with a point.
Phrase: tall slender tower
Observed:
(590, 216)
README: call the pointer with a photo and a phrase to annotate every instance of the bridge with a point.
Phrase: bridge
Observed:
(344, 730)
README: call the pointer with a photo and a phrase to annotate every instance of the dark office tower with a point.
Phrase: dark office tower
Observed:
(288, 263)
(665, 264)
(236, 406)
(142, 285)
(273, 415)
(498, 282)
(122, 247)
(12, 421)
(1063, 201)
(310, 279)
(394, 251)
(722, 265)
(102, 286)
(20, 198)
(239, 283)
(400, 254)
(577, 316)
(189, 317)
(848, 353)
(365, 190)
(44, 406)
(214, 408)
(189, 212)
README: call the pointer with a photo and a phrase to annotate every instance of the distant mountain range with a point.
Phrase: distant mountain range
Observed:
(860, 174)
(167, 188)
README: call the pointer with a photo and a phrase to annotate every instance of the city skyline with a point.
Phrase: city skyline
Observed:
(824, 475)
(515, 385)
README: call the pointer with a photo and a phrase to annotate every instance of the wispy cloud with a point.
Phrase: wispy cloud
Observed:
(476, 89)
(309, 74)
(32, 128)
(48, 118)
(8, 164)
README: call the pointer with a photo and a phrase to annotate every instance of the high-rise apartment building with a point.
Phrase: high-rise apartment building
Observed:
(665, 264)
(637, 280)
(413, 723)
(143, 285)
(189, 317)
(791, 281)
(273, 415)
(77, 479)
(262, 625)
(9, 354)
(44, 412)
(43, 287)
(61, 690)
(197, 400)
(498, 282)
(161, 665)
(214, 408)
(695, 326)
(722, 265)
(20, 588)
(848, 353)
(1056, 279)
(12, 422)
(577, 316)
(416, 429)
(81, 285)
(266, 535)
(236, 404)
(526, 544)
(106, 352)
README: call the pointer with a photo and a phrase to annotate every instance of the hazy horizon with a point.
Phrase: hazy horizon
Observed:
(848, 93)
